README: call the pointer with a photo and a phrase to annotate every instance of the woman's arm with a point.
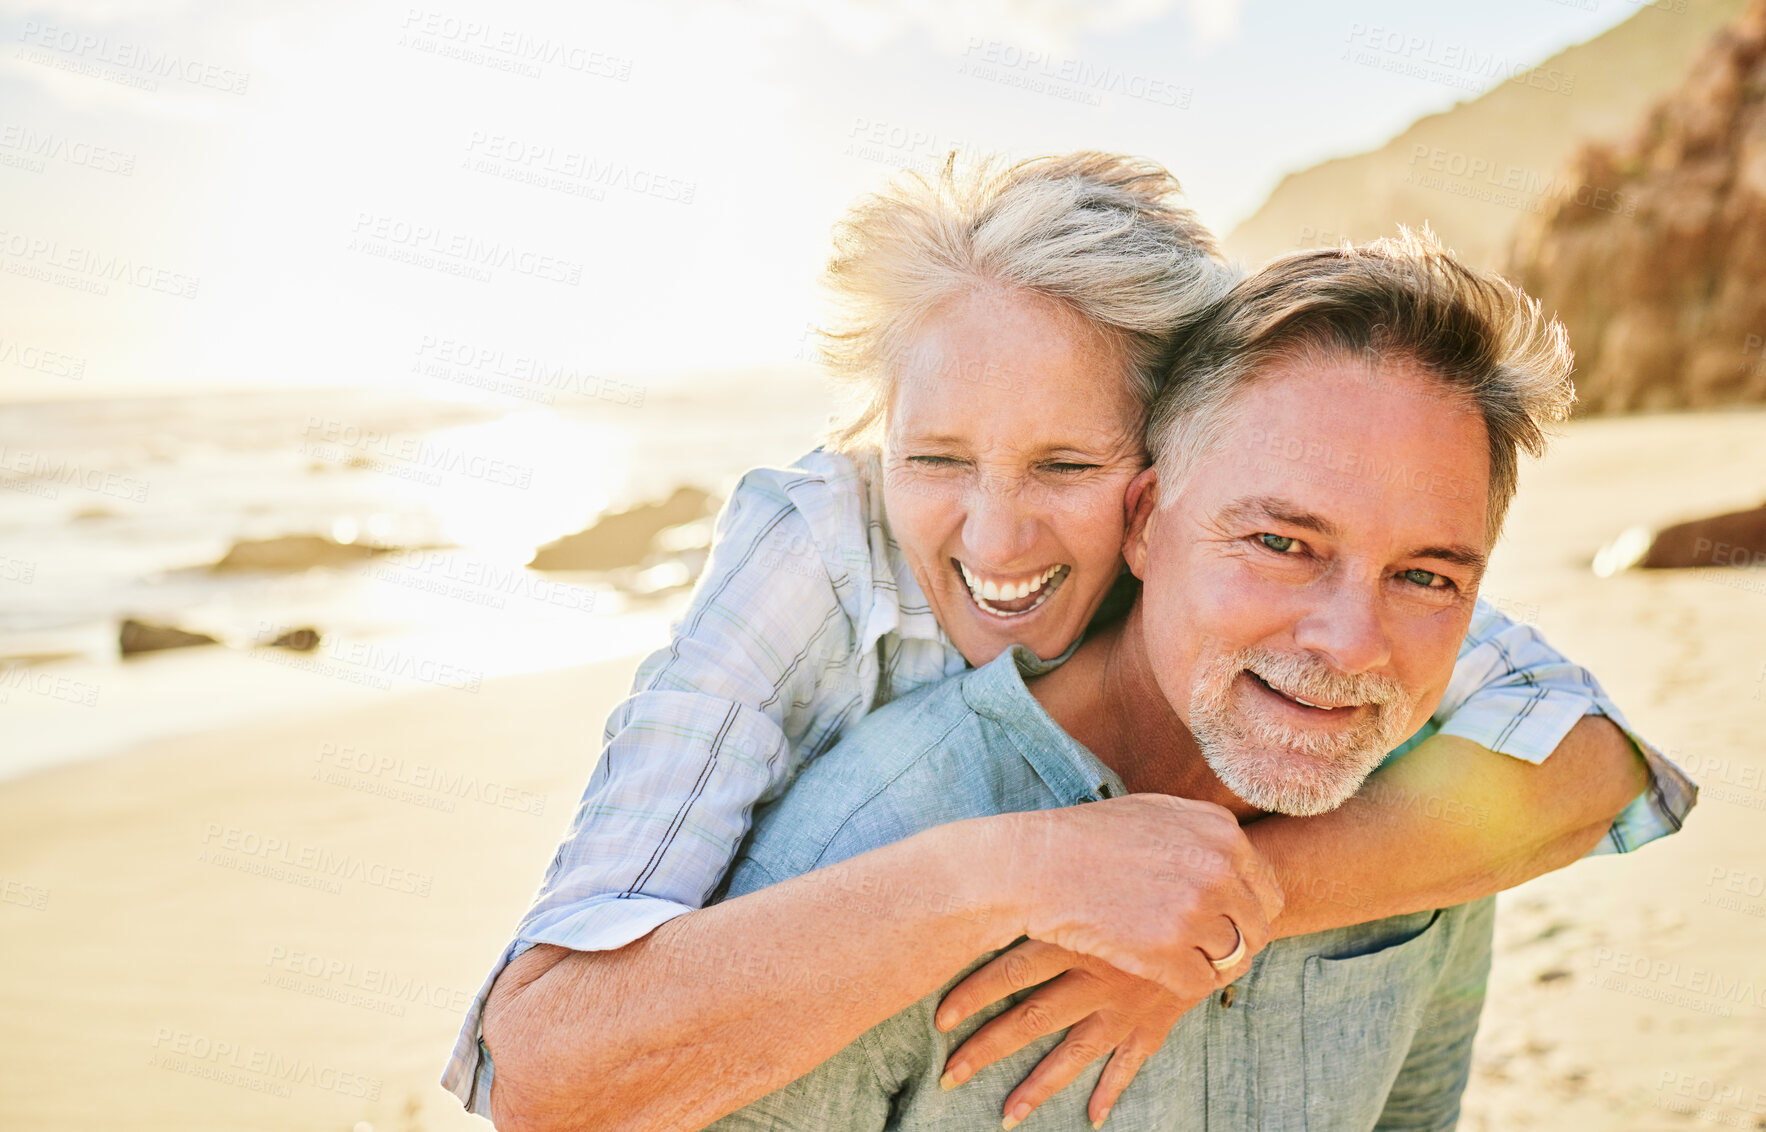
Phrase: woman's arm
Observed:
(1521, 779)
(1452, 820)
(1449, 822)
(720, 1006)
(1446, 823)
(759, 669)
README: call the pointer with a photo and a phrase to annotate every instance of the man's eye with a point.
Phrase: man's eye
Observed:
(1068, 468)
(1427, 579)
(1281, 544)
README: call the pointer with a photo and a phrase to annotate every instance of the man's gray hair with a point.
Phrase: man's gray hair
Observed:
(1100, 233)
(1392, 302)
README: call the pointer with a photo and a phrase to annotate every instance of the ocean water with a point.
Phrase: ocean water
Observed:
(118, 507)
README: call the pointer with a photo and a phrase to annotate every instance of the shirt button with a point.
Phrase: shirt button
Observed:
(1226, 996)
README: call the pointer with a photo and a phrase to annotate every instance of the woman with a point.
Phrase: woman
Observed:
(1006, 329)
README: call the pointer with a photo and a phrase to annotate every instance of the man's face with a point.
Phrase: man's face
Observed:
(1309, 583)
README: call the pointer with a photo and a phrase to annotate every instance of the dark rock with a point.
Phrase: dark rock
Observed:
(300, 640)
(141, 636)
(1734, 539)
(624, 539)
(293, 552)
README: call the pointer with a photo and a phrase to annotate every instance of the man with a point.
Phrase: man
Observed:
(1332, 466)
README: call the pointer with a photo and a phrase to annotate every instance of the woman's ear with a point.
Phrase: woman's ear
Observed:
(1140, 503)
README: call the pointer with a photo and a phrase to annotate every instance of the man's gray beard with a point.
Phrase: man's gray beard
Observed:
(1288, 770)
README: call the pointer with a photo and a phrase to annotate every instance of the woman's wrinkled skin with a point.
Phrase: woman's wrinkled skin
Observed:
(1011, 441)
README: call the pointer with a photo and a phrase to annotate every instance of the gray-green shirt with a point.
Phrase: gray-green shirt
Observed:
(1361, 1027)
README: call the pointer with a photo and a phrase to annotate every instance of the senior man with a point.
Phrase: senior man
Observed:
(1330, 472)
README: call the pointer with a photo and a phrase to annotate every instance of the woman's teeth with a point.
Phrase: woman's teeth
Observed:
(986, 590)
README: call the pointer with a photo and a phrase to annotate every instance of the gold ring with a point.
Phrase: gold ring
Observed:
(1228, 962)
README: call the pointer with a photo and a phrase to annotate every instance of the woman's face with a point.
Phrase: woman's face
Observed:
(1011, 441)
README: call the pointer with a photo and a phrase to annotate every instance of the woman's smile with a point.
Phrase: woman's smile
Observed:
(1009, 596)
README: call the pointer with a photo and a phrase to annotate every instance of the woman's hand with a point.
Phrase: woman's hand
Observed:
(1191, 886)
(1109, 1012)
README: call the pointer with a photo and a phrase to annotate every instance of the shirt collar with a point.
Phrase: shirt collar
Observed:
(898, 603)
(996, 691)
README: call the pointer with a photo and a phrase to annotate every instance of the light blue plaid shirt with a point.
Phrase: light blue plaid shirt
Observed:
(807, 619)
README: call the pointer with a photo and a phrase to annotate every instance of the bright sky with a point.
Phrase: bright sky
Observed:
(328, 192)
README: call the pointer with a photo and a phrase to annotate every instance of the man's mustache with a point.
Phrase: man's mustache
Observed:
(1313, 679)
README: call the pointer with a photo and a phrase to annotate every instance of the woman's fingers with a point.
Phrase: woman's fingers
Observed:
(1025, 965)
(1118, 1072)
(1218, 939)
(1054, 1007)
(1084, 1044)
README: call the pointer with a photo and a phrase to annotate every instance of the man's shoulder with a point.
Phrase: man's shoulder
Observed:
(919, 761)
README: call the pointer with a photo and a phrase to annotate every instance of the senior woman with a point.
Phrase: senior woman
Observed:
(1004, 325)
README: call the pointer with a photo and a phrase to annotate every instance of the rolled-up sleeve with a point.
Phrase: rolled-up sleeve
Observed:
(760, 674)
(1515, 694)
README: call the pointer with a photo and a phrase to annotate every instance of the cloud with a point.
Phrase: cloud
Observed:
(868, 24)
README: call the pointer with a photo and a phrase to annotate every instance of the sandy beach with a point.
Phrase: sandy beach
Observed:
(277, 926)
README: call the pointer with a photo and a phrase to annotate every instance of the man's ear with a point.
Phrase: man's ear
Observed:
(1140, 503)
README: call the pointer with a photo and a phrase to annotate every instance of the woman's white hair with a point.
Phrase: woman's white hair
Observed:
(1103, 234)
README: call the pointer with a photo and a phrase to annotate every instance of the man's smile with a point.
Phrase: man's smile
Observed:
(1310, 710)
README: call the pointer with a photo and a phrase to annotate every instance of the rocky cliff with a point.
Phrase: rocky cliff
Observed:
(1476, 172)
(1659, 268)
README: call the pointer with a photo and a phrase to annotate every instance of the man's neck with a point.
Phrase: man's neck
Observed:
(1106, 698)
